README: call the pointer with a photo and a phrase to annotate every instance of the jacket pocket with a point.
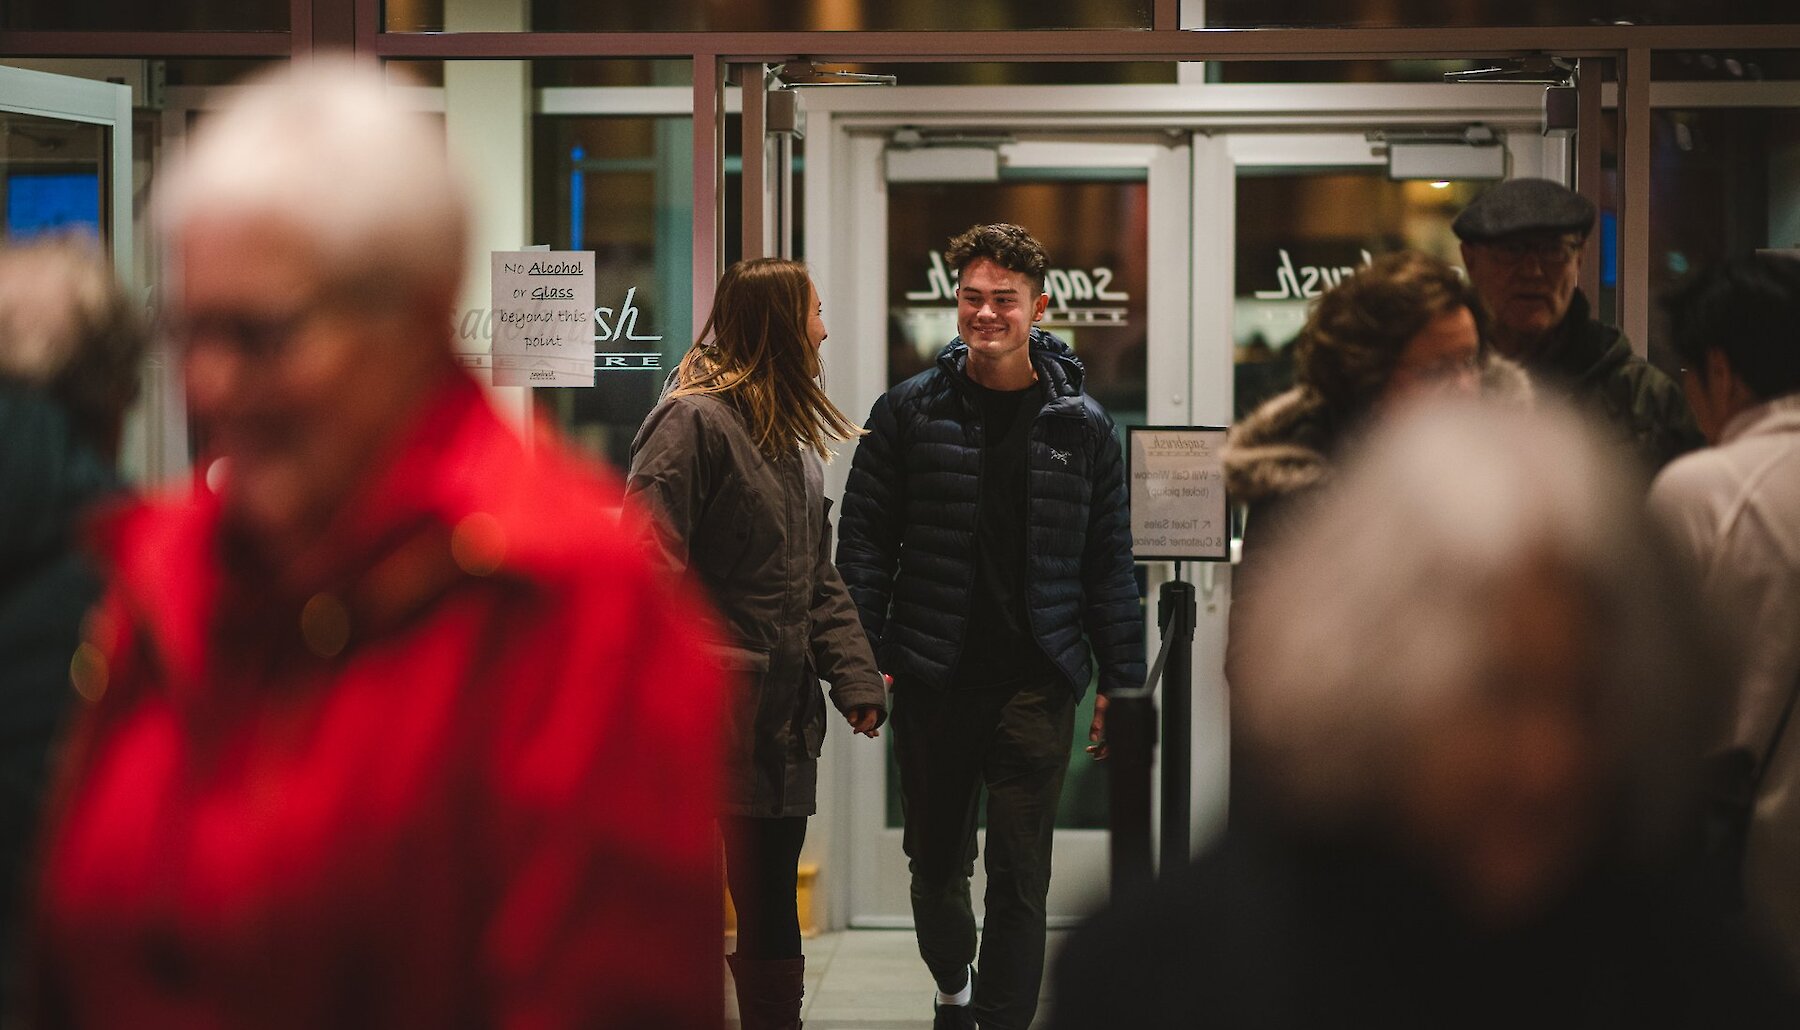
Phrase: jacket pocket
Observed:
(809, 716)
(745, 661)
(748, 669)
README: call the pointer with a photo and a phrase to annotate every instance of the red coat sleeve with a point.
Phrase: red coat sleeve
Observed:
(608, 907)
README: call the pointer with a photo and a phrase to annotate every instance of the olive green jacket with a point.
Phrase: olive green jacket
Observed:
(1638, 403)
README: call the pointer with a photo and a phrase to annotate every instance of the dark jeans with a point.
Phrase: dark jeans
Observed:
(1014, 739)
(761, 860)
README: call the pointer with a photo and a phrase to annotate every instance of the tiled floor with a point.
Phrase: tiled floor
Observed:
(868, 980)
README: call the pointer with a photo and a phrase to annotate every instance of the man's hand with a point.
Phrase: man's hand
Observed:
(1097, 730)
(863, 719)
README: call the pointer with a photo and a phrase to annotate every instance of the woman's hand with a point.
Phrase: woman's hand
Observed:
(864, 718)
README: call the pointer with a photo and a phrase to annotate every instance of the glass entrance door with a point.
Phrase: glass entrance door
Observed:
(1113, 217)
(65, 159)
(65, 168)
(1280, 217)
(1310, 209)
(1210, 187)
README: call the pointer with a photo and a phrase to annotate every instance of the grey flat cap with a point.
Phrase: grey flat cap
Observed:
(1524, 205)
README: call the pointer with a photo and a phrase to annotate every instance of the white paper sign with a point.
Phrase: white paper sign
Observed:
(543, 317)
(1178, 507)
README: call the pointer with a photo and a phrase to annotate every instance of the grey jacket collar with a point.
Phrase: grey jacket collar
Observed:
(1055, 361)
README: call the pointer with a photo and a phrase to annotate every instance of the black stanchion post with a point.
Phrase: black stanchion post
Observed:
(1177, 611)
(1130, 743)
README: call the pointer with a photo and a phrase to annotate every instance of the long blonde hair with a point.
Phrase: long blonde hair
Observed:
(754, 350)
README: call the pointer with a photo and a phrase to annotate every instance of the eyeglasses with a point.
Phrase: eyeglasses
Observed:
(253, 336)
(1441, 371)
(1549, 254)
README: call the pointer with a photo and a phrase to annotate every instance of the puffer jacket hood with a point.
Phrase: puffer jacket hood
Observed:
(1286, 445)
(1049, 354)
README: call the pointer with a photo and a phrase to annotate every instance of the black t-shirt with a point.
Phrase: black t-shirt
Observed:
(998, 645)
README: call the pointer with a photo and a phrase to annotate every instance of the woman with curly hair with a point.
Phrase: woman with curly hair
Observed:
(1407, 326)
(729, 464)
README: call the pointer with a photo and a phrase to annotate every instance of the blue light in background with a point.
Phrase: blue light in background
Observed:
(55, 202)
(577, 200)
(1609, 248)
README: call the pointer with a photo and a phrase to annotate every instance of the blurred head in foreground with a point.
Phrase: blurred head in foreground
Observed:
(1470, 656)
(68, 331)
(316, 234)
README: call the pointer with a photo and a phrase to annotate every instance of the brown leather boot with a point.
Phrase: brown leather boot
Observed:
(769, 991)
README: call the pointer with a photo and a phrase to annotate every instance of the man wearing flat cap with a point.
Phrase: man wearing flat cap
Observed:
(1522, 242)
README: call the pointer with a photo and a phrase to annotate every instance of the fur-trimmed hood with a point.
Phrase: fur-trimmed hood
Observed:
(1286, 444)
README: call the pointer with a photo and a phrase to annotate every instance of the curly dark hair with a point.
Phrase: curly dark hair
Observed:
(1746, 308)
(1003, 243)
(1356, 333)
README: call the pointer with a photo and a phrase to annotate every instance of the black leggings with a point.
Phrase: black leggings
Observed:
(761, 859)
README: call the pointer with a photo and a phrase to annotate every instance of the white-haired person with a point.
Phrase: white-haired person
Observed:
(70, 346)
(1478, 702)
(392, 725)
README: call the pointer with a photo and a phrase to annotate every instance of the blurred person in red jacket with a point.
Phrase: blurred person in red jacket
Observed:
(392, 725)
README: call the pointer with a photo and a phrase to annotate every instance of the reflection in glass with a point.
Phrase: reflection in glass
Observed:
(1724, 65)
(1474, 13)
(1403, 70)
(1018, 73)
(611, 72)
(141, 16)
(1298, 235)
(53, 176)
(1724, 182)
(623, 188)
(212, 71)
(789, 16)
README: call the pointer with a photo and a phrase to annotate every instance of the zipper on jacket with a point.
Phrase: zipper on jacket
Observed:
(974, 536)
(1037, 637)
(980, 474)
